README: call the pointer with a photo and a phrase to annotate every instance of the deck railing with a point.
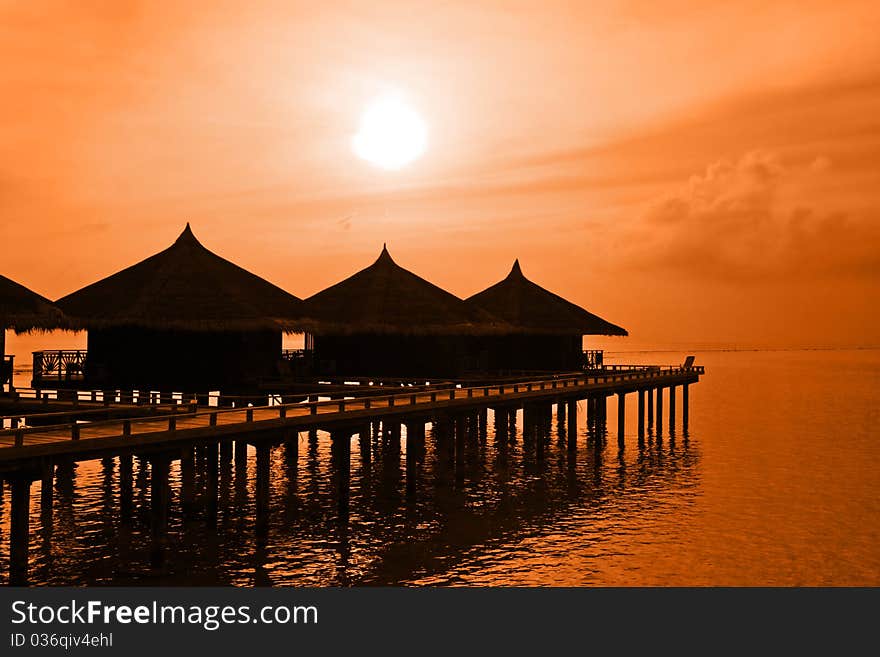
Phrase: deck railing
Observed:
(295, 354)
(59, 365)
(593, 359)
(397, 401)
(6, 368)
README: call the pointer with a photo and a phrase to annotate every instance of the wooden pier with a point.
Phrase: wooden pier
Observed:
(32, 453)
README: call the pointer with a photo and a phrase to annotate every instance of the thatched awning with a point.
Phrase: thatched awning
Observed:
(386, 298)
(185, 287)
(532, 309)
(23, 310)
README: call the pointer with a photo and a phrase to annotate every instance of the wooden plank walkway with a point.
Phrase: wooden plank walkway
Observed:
(22, 447)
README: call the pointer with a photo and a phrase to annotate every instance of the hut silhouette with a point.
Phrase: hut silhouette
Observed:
(184, 317)
(547, 331)
(387, 321)
(23, 311)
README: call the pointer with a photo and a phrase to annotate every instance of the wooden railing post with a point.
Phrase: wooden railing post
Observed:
(249, 415)
(126, 427)
(74, 431)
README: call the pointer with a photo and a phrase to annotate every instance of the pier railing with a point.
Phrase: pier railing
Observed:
(79, 398)
(251, 414)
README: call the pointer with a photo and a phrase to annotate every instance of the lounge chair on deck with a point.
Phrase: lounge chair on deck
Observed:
(688, 363)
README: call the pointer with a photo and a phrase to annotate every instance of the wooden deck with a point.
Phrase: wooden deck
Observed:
(24, 449)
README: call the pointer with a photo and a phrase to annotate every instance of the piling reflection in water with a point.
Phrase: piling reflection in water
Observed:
(384, 503)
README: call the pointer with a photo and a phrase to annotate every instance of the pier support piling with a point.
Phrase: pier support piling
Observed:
(571, 429)
(212, 476)
(341, 448)
(483, 423)
(262, 488)
(641, 412)
(365, 446)
(412, 450)
(159, 495)
(291, 454)
(659, 424)
(19, 530)
(684, 407)
(225, 451)
(187, 480)
(671, 409)
(501, 422)
(241, 450)
(460, 438)
(539, 430)
(47, 494)
(621, 417)
(126, 467)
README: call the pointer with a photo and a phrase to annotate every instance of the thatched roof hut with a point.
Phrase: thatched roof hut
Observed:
(183, 319)
(385, 298)
(533, 310)
(23, 310)
(185, 287)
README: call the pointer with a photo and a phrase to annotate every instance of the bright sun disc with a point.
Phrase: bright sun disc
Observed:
(391, 134)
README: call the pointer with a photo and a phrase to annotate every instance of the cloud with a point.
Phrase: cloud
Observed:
(757, 218)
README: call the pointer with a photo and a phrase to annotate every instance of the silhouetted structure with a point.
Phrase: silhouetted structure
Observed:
(386, 321)
(23, 311)
(184, 317)
(547, 331)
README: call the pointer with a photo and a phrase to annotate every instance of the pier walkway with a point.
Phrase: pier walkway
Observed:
(24, 447)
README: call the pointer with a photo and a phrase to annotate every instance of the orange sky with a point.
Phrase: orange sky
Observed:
(696, 174)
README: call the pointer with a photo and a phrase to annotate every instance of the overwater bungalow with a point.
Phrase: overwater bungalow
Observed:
(548, 330)
(22, 311)
(184, 319)
(385, 321)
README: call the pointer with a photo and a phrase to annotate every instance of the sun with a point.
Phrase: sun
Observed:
(391, 134)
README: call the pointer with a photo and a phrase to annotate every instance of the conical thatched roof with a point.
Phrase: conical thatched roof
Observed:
(532, 309)
(188, 287)
(23, 310)
(386, 298)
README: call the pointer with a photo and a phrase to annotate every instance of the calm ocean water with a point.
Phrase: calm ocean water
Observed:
(776, 484)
